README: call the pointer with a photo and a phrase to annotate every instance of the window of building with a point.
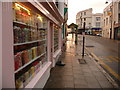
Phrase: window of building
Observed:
(110, 19)
(106, 21)
(104, 12)
(97, 24)
(98, 18)
(84, 19)
(84, 13)
(89, 24)
(81, 19)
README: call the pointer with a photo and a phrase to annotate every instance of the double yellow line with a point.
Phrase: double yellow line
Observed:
(106, 67)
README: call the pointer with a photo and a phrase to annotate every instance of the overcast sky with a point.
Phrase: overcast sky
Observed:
(75, 6)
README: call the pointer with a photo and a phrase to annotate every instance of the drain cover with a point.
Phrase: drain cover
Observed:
(82, 61)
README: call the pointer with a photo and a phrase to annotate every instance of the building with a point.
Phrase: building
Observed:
(32, 35)
(93, 21)
(111, 17)
(84, 16)
(96, 27)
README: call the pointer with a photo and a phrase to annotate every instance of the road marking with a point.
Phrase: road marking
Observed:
(113, 58)
(105, 59)
(117, 58)
(109, 59)
(106, 67)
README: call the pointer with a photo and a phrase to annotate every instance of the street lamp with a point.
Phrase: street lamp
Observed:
(111, 17)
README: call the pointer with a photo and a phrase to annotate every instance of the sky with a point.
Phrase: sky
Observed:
(75, 6)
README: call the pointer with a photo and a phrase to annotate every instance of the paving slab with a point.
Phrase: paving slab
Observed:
(75, 75)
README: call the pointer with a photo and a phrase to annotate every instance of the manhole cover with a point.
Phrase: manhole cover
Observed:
(90, 46)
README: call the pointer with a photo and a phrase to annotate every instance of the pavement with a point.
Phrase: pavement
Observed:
(76, 74)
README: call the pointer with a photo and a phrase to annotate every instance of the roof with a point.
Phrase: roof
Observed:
(84, 10)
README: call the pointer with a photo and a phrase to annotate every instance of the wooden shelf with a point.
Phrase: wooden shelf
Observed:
(23, 24)
(28, 42)
(29, 63)
(28, 25)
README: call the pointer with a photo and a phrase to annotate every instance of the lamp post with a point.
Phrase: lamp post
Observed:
(83, 49)
(111, 17)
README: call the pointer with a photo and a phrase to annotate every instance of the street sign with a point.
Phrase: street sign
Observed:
(109, 13)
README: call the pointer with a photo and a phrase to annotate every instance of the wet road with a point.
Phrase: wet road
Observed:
(107, 51)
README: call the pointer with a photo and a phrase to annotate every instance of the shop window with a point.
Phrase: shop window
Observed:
(30, 49)
(56, 38)
(84, 19)
(84, 13)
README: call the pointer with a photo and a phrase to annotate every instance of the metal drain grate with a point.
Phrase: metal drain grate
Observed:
(82, 61)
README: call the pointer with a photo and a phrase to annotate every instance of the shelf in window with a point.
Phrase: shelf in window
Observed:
(23, 23)
(29, 63)
(19, 22)
(28, 42)
(38, 76)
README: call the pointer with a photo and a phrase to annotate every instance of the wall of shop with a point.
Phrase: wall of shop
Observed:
(117, 33)
(7, 47)
(0, 45)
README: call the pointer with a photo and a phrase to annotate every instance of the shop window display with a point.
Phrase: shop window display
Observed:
(56, 39)
(30, 49)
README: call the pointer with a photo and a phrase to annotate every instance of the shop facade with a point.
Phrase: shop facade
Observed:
(117, 31)
(31, 42)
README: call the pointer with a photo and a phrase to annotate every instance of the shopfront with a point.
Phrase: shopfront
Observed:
(30, 48)
(26, 48)
(117, 33)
